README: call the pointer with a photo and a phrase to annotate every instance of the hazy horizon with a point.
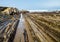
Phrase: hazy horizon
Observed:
(32, 4)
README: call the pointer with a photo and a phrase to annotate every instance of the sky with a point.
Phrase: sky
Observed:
(32, 4)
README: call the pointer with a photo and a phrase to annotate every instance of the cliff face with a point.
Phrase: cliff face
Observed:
(8, 10)
(7, 13)
(3, 8)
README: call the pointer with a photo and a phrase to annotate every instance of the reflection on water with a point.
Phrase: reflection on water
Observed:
(21, 18)
(20, 30)
(21, 24)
